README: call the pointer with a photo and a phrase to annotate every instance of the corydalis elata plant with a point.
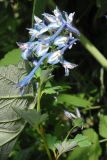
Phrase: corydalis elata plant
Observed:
(49, 39)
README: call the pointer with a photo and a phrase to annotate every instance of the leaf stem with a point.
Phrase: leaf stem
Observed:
(40, 128)
(69, 132)
(38, 98)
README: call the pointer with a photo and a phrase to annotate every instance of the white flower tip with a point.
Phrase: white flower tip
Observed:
(74, 65)
(37, 19)
(71, 16)
(78, 113)
(18, 43)
(28, 29)
(57, 12)
(69, 114)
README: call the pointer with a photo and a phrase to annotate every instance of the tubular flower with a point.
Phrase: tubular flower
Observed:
(67, 65)
(50, 37)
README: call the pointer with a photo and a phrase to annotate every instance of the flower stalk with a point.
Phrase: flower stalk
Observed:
(38, 98)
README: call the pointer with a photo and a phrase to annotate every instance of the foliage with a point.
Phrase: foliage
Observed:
(11, 125)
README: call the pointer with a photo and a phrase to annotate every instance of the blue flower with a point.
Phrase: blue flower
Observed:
(26, 49)
(55, 57)
(49, 38)
(41, 49)
(61, 41)
(37, 20)
(67, 65)
(34, 33)
(29, 77)
(58, 20)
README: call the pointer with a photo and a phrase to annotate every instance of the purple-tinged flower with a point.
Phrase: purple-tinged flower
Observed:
(29, 77)
(34, 33)
(57, 20)
(37, 19)
(58, 16)
(72, 29)
(55, 57)
(41, 49)
(69, 45)
(49, 38)
(67, 65)
(26, 49)
(69, 18)
(61, 41)
(52, 38)
(49, 18)
(70, 115)
(53, 26)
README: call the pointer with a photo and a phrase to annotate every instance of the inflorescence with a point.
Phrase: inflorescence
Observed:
(49, 39)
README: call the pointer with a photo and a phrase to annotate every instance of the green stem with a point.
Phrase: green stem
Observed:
(93, 51)
(45, 144)
(33, 12)
(40, 129)
(38, 98)
(69, 132)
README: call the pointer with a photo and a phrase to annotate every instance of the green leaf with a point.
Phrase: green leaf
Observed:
(51, 141)
(74, 100)
(11, 57)
(78, 122)
(65, 146)
(92, 152)
(45, 76)
(82, 140)
(51, 90)
(103, 126)
(11, 123)
(32, 116)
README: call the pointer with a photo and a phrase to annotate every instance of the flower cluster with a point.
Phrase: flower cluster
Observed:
(49, 39)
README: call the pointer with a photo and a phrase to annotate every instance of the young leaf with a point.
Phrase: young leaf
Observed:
(103, 126)
(51, 90)
(11, 57)
(78, 122)
(69, 100)
(92, 152)
(32, 116)
(51, 141)
(45, 75)
(65, 146)
(82, 140)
